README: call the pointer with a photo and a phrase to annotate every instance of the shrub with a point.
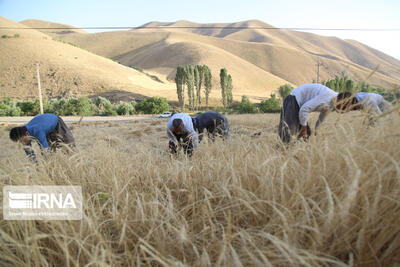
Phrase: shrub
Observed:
(56, 106)
(8, 101)
(153, 105)
(271, 105)
(8, 108)
(52, 106)
(220, 109)
(246, 106)
(9, 111)
(125, 108)
(104, 106)
(285, 90)
(133, 103)
(81, 106)
(29, 108)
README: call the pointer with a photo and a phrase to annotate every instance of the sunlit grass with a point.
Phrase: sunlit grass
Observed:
(332, 201)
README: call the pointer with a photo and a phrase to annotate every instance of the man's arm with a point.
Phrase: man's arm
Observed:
(321, 118)
(378, 110)
(195, 138)
(310, 106)
(384, 105)
(43, 140)
(171, 136)
(30, 153)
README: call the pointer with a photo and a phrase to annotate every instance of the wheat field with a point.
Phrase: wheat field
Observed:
(331, 201)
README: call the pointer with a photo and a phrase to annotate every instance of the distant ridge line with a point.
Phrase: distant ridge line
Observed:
(200, 27)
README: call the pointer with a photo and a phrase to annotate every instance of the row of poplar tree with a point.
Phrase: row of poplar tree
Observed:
(191, 79)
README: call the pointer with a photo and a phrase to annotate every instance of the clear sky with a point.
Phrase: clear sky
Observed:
(365, 14)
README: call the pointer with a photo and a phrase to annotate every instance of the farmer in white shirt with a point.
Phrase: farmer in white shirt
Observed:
(372, 102)
(180, 132)
(296, 107)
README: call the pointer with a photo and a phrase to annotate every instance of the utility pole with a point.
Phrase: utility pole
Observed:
(319, 63)
(40, 89)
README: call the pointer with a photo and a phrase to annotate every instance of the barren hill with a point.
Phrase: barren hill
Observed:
(66, 70)
(336, 54)
(258, 56)
(159, 52)
(51, 27)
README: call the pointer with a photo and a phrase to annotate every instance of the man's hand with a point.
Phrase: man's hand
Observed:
(173, 148)
(304, 132)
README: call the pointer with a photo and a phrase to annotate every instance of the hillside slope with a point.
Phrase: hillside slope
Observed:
(51, 27)
(258, 56)
(336, 54)
(65, 70)
(159, 52)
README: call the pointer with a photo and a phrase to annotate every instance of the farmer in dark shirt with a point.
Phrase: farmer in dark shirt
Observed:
(214, 122)
(48, 130)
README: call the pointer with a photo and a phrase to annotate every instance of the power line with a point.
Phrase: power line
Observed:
(203, 27)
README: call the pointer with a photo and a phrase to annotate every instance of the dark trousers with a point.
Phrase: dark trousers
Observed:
(289, 123)
(60, 135)
(185, 141)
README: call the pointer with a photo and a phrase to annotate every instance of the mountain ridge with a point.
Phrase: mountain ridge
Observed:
(259, 58)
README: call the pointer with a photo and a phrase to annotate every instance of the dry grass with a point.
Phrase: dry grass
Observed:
(334, 201)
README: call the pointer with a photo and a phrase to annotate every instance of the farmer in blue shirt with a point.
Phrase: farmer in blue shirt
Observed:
(48, 130)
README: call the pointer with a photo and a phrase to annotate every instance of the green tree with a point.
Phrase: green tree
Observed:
(340, 83)
(8, 101)
(349, 86)
(223, 75)
(28, 108)
(81, 106)
(124, 108)
(153, 105)
(180, 85)
(104, 106)
(246, 106)
(207, 82)
(270, 105)
(198, 81)
(226, 87)
(9, 108)
(285, 90)
(189, 77)
(229, 94)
